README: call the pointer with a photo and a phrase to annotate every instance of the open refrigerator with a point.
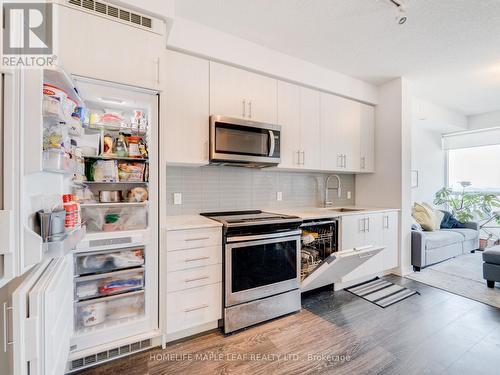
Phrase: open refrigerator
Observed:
(91, 293)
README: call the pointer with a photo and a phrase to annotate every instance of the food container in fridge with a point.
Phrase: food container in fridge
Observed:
(113, 218)
(56, 160)
(107, 261)
(111, 283)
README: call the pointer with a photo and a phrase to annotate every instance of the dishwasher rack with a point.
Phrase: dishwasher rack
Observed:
(319, 241)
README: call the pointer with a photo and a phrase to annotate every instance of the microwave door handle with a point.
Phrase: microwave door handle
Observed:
(272, 143)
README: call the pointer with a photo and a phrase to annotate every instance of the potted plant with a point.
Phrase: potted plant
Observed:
(468, 206)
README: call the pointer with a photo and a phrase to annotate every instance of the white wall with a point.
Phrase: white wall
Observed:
(484, 120)
(389, 186)
(437, 117)
(428, 159)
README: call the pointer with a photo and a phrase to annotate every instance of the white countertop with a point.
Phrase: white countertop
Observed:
(182, 222)
(307, 213)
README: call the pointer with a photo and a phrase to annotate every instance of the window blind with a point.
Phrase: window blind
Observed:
(472, 138)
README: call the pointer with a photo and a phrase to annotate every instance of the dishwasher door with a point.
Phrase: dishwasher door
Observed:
(337, 265)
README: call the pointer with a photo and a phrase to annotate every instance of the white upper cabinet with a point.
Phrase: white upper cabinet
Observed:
(310, 132)
(98, 47)
(298, 115)
(185, 109)
(367, 134)
(340, 133)
(238, 93)
(289, 119)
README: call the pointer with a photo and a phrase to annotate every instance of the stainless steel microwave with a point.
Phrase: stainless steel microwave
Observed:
(245, 143)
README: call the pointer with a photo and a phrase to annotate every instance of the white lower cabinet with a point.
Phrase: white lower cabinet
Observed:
(377, 229)
(192, 283)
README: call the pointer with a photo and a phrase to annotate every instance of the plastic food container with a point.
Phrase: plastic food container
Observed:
(56, 160)
(112, 219)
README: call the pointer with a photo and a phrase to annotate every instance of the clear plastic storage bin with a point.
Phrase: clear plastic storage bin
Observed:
(113, 219)
(107, 311)
(107, 261)
(103, 285)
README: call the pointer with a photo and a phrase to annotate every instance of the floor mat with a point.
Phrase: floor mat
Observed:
(381, 292)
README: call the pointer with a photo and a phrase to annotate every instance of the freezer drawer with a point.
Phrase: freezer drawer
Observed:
(102, 285)
(114, 219)
(107, 261)
(337, 266)
(106, 311)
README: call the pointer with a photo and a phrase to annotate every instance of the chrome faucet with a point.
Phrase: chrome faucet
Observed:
(329, 203)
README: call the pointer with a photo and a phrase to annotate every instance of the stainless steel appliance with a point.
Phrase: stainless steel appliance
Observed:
(261, 266)
(244, 143)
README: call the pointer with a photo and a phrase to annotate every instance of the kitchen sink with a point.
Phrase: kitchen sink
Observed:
(345, 209)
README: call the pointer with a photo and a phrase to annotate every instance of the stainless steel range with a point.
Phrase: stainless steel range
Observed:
(261, 266)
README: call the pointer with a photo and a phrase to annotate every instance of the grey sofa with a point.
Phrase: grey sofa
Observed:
(491, 265)
(428, 248)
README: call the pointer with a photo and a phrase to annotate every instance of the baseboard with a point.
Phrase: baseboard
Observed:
(202, 328)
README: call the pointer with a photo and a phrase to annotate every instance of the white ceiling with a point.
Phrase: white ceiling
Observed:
(450, 49)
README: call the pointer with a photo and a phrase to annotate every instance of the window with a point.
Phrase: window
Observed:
(478, 165)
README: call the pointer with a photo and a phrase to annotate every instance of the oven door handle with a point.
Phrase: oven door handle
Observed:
(272, 143)
(263, 236)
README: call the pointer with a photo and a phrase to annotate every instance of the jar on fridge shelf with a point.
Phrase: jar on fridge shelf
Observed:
(121, 146)
(133, 147)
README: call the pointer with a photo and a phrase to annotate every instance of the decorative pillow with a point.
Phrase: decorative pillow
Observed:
(437, 214)
(449, 221)
(415, 225)
(424, 216)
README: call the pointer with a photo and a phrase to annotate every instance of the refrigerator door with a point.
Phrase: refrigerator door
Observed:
(9, 176)
(43, 319)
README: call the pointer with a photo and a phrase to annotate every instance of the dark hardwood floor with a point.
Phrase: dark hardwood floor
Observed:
(434, 333)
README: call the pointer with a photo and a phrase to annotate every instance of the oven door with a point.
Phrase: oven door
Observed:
(261, 267)
(243, 141)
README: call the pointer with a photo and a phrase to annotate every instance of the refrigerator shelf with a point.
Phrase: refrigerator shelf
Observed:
(102, 262)
(111, 127)
(114, 204)
(65, 245)
(116, 158)
(115, 183)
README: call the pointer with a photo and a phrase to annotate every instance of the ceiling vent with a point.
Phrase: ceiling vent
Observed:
(95, 359)
(123, 15)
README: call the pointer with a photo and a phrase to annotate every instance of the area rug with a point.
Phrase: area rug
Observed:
(381, 292)
(462, 275)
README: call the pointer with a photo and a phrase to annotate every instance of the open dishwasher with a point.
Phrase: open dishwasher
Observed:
(321, 262)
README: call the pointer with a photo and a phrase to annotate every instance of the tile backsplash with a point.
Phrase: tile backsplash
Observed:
(217, 188)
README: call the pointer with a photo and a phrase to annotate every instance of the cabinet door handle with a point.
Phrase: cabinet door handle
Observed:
(158, 70)
(244, 102)
(6, 341)
(250, 109)
(345, 161)
(363, 163)
(196, 239)
(196, 308)
(187, 260)
(386, 221)
(365, 256)
(367, 224)
(196, 278)
(298, 157)
(303, 157)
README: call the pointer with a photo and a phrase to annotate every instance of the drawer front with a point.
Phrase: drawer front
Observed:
(193, 307)
(180, 280)
(192, 258)
(190, 239)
